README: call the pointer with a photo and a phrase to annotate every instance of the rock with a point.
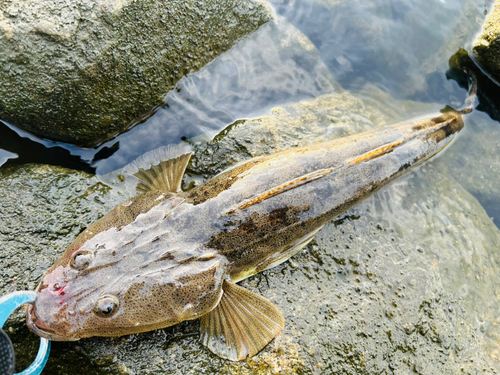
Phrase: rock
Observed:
(407, 282)
(486, 50)
(488, 92)
(326, 117)
(41, 207)
(83, 71)
(473, 160)
(277, 64)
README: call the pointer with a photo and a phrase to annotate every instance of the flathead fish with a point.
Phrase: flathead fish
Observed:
(166, 255)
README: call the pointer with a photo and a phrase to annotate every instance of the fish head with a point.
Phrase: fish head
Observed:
(127, 279)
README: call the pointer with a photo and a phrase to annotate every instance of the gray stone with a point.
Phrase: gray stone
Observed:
(82, 71)
(277, 64)
(486, 49)
(407, 282)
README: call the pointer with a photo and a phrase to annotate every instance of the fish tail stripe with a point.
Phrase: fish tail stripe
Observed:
(375, 153)
(302, 180)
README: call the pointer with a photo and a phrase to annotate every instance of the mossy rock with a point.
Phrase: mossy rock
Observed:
(82, 71)
(486, 50)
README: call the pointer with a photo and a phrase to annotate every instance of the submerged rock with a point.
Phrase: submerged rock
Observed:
(486, 49)
(406, 44)
(82, 71)
(407, 282)
(474, 162)
(326, 117)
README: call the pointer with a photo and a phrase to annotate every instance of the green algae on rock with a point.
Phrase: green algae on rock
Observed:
(83, 71)
(486, 50)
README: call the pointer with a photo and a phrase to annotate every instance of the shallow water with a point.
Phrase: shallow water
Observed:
(317, 47)
(401, 46)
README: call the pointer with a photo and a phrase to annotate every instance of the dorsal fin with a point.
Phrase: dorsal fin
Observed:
(161, 169)
(241, 324)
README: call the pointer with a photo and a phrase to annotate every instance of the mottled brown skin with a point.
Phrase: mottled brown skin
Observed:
(164, 256)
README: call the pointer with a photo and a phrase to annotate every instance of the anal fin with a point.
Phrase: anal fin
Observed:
(287, 252)
(277, 257)
(241, 324)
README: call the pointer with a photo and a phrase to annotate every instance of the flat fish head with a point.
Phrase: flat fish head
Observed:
(129, 279)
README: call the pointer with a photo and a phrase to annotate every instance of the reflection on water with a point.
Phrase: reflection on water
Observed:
(394, 44)
(274, 66)
(402, 46)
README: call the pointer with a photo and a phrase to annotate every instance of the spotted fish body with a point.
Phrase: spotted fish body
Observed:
(166, 256)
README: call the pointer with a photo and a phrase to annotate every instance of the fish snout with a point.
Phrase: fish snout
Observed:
(56, 332)
(49, 315)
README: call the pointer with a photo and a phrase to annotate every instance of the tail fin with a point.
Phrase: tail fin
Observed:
(471, 98)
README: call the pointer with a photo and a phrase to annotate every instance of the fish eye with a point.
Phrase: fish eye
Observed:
(81, 260)
(106, 306)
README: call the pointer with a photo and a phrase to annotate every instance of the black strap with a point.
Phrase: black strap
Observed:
(6, 354)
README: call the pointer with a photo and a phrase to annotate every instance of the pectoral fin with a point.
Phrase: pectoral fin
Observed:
(241, 325)
(161, 169)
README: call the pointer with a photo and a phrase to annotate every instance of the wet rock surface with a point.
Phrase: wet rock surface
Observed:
(276, 64)
(82, 71)
(407, 282)
(486, 50)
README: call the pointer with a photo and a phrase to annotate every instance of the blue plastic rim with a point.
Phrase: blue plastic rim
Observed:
(8, 304)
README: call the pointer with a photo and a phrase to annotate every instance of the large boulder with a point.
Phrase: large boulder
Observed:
(277, 64)
(406, 282)
(81, 71)
(486, 49)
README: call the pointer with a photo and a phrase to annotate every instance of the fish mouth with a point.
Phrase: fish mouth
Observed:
(37, 326)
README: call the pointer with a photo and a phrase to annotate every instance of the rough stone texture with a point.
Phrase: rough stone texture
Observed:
(405, 283)
(81, 71)
(486, 49)
(276, 64)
